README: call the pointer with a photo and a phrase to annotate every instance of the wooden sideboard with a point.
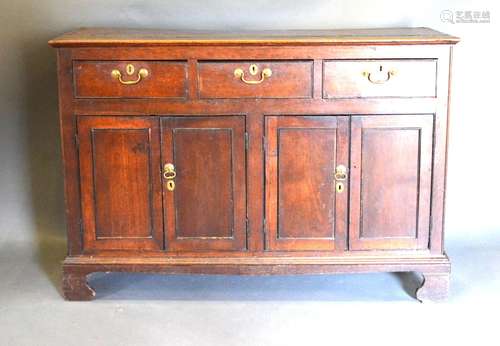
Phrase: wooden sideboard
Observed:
(273, 152)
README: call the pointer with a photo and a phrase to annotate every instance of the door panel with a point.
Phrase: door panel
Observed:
(207, 208)
(202, 179)
(120, 183)
(391, 158)
(303, 211)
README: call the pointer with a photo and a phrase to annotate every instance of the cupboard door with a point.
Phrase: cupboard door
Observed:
(206, 208)
(303, 209)
(391, 161)
(120, 183)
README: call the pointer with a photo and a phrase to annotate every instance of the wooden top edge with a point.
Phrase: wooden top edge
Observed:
(149, 37)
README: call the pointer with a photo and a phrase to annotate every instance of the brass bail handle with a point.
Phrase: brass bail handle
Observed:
(130, 69)
(380, 76)
(169, 175)
(253, 69)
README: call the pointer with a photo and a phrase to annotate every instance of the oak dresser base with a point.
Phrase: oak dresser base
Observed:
(435, 270)
(255, 153)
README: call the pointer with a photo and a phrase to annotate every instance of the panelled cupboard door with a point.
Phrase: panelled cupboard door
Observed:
(204, 184)
(120, 183)
(390, 194)
(303, 209)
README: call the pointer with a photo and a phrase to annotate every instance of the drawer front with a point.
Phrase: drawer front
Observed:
(129, 79)
(255, 79)
(379, 78)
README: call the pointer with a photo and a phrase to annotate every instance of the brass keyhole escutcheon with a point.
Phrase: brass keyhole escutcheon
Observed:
(130, 69)
(253, 69)
(339, 187)
(170, 185)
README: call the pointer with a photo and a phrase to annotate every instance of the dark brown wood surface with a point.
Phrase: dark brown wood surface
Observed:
(254, 188)
(207, 209)
(303, 210)
(391, 167)
(120, 184)
(165, 79)
(288, 80)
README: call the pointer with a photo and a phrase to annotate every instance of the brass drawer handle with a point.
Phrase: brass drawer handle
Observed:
(143, 73)
(379, 77)
(169, 174)
(266, 73)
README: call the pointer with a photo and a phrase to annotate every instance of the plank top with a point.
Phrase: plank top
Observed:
(150, 37)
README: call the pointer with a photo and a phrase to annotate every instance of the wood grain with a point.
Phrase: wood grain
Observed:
(371, 78)
(139, 37)
(391, 168)
(120, 182)
(254, 187)
(302, 207)
(93, 79)
(207, 209)
(288, 80)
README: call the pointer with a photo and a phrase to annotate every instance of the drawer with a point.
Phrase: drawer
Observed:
(129, 79)
(255, 79)
(379, 78)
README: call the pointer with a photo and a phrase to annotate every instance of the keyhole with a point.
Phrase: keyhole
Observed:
(130, 69)
(170, 185)
(339, 187)
(253, 69)
(380, 69)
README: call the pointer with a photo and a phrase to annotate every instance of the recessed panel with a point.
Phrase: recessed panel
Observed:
(306, 162)
(122, 183)
(389, 182)
(203, 197)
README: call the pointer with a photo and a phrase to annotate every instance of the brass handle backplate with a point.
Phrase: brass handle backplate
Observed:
(169, 175)
(340, 173)
(253, 69)
(380, 76)
(130, 69)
